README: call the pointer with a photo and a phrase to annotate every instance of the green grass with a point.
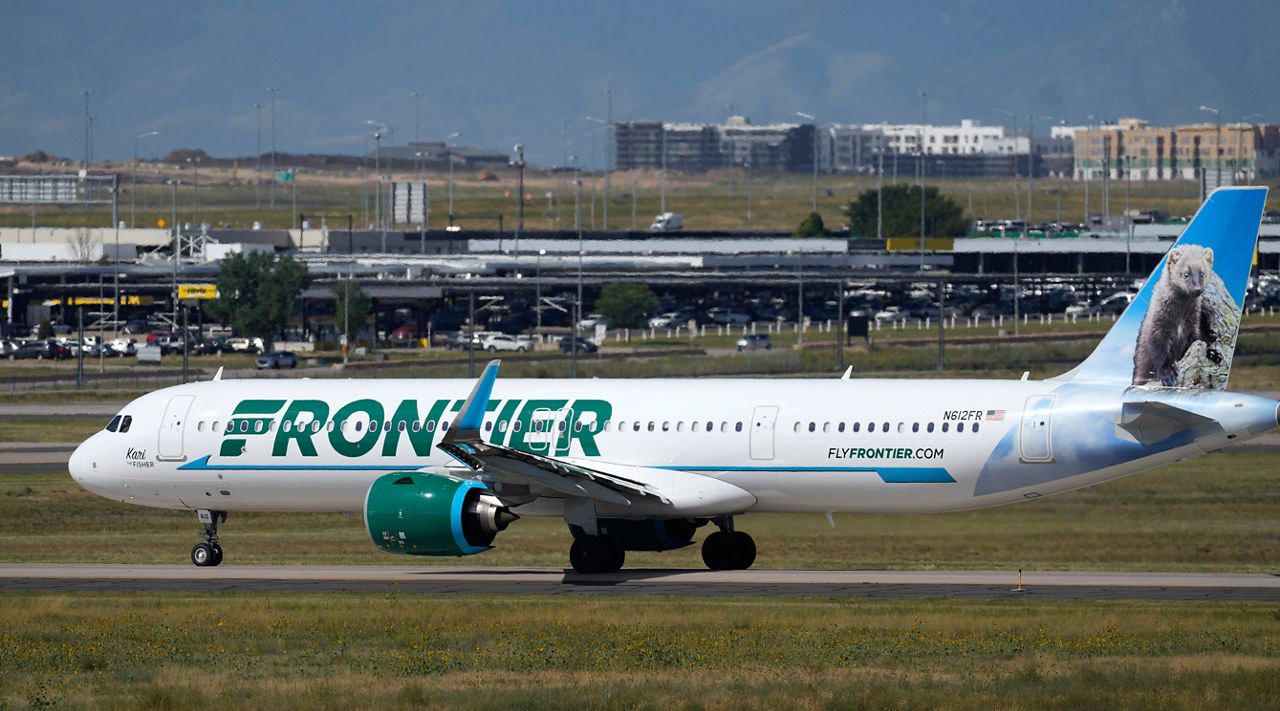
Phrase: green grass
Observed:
(1213, 513)
(299, 650)
(49, 429)
(714, 201)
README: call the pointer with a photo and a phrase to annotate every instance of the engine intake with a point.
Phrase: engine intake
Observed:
(412, 513)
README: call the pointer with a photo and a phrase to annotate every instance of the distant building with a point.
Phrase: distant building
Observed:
(437, 153)
(697, 148)
(1247, 151)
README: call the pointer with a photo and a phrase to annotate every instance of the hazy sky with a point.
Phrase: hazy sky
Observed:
(503, 71)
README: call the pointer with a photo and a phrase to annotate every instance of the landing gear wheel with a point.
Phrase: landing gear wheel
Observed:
(203, 556)
(729, 550)
(591, 555)
(209, 553)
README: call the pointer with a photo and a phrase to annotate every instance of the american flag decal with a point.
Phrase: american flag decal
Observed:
(995, 415)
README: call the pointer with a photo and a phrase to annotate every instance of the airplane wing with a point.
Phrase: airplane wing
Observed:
(685, 493)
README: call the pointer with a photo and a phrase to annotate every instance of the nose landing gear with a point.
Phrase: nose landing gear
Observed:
(209, 553)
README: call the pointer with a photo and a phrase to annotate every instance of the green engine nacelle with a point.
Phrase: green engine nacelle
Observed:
(412, 513)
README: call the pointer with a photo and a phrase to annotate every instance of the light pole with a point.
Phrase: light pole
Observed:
(1031, 161)
(577, 319)
(1017, 205)
(257, 175)
(133, 200)
(662, 177)
(1253, 169)
(448, 142)
(924, 127)
(608, 152)
(814, 119)
(273, 90)
(177, 249)
(1217, 141)
(537, 285)
(519, 149)
(380, 128)
(417, 115)
(195, 183)
(87, 93)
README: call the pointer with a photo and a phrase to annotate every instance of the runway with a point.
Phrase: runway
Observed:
(960, 584)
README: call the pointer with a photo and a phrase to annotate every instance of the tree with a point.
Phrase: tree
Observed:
(943, 217)
(258, 293)
(811, 226)
(626, 305)
(353, 308)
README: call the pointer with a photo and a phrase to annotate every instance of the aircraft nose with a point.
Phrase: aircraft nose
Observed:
(82, 465)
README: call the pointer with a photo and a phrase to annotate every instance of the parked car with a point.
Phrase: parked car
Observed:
(729, 316)
(591, 320)
(122, 347)
(456, 341)
(584, 346)
(41, 350)
(506, 342)
(667, 222)
(755, 341)
(245, 345)
(276, 360)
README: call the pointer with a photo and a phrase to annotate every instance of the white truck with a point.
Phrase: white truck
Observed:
(667, 222)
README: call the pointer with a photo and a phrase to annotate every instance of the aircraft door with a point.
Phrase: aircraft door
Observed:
(1036, 435)
(763, 422)
(172, 426)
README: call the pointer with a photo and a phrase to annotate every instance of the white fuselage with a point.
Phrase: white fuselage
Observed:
(795, 445)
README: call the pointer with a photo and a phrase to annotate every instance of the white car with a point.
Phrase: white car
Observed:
(670, 318)
(246, 345)
(124, 346)
(591, 320)
(505, 342)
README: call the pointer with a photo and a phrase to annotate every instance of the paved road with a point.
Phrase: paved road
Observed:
(891, 584)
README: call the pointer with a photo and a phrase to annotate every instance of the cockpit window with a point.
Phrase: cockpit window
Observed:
(125, 423)
(113, 424)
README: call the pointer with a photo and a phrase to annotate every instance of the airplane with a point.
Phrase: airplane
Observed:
(442, 467)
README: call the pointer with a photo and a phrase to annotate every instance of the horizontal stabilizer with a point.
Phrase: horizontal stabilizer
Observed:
(1151, 421)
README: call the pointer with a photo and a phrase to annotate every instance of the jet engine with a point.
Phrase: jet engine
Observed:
(416, 513)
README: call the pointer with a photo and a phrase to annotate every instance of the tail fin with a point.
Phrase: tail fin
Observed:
(1180, 330)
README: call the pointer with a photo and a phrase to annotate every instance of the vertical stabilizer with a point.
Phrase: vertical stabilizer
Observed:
(1180, 330)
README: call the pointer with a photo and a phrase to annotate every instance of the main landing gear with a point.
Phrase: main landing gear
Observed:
(209, 553)
(728, 549)
(725, 549)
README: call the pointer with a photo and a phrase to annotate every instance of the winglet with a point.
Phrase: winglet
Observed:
(466, 426)
(217, 377)
(848, 371)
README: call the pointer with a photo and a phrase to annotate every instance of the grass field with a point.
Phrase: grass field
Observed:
(1214, 513)
(300, 650)
(712, 201)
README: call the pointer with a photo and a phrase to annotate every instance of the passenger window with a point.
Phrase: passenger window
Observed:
(680, 426)
(416, 425)
(125, 424)
(975, 427)
(813, 426)
(200, 426)
(271, 426)
(431, 425)
(113, 424)
(960, 427)
(796, 428)
(826, 427)
(515, 426)
(902, 427)
(711, 426)
(287, 426)
(857, 426)
(328, 425)
(650, 425)
(693, 426)
(915, 426)
(400, 425)
(840, 427)
(945, 425)
(444, 426)
(929, 427)
(724, 426)
(635, 426)
(214, 427)
(737, 427)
